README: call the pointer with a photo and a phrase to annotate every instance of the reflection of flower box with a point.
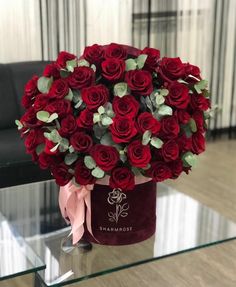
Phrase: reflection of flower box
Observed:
(123, 218)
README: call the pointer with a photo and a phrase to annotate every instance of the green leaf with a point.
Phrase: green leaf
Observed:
(149, 103)
(187, 130)
(96, 118)
(43, 116)
(71, 64)
(93, 67)
(69, 97)
(55, 147)
(83, 62)
(101, 110)
(71, 149)
(107, 139)
(99, 131)
(70, 158)
(52, 117)
(123, 157)
(165, 110)
(136, 171)
(182, 81)
(160, 100)
(156, 115)
(89, 162)
(120, 89)
(130, 64)
(153, 96)
(64, 73)
(98, 172)
(189, 159)
(40, 148)
(44, 84)
(19, 124)
(201, 85)
(156, 142)
(164, 92)
(192, 125)
(146, 137)
(141, 60)
(64, 144)
(54, 136)
(106, 121)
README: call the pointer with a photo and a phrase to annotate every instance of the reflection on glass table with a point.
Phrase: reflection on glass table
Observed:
(16, 256)
(182, 224)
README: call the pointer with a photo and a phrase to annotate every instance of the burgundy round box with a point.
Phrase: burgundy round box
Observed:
(120, 218)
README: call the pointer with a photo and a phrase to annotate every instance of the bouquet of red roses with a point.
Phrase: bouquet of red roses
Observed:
(116, 111)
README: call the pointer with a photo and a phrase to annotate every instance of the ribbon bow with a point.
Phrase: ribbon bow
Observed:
(72, 202)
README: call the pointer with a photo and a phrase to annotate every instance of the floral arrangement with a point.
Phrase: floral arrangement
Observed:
(116, 111)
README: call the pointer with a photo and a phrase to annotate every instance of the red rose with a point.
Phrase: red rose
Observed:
(159, 171)
(82, 77)
(63, 57)
(82, 174)
(48, 146)
(27, 102)
(152, 60)
(139, 155)
(198, 143)
(113, 69)
(146, 122)
(41, 102)
(169, 127)
(183, 116)
(199, 102)
(199, 120)
(106, 157)
(68, 126)
(31, 89)
(93, 54)
(123, 178)
(178, 96)
(51, 70)
(171, 69)
(125, 106)
(184, 143)
(122, 129)
(170, 150)
(176, 167)
(29, 119)
(81, 142)
(45, 160)
(33, 139)
(140, 82)
(61, 174)
(192, 70)
(85, 119)
(115, 51)
(59, 89)
(95, 96)
(61, 107)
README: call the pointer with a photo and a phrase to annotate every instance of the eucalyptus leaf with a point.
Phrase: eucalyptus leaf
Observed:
(187, 130)
(19, 124)
(120, 89)
(156, 115)
(106, 121)
(156, 142)
(96, 118)
(98, 172)
(44, 84)
(52, 117)
(192, 125)
(40, 148)
(123, 157)
(70, 158)
(201, 85)
(141, 60)
(107, 139)
(93, 67)
(164, 92)
(130, 64)
(83, 62)
(55, 137)
(146, 137)
(71, 149)
(165, 110)
(71, 64)
(64, 144)
(136, 171)
(69, 96)
(160, 100)
(99, 131)
(189, 159)
(89, 162)
(55, 147)
(43, 116)
(149, 103)
(101, 110)
(64, 73)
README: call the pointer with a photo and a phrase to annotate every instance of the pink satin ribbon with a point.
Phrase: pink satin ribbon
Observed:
(73, 200)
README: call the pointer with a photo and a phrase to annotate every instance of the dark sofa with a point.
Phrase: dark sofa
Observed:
(16, 167)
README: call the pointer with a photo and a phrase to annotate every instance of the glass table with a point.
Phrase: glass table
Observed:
(32, 229)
